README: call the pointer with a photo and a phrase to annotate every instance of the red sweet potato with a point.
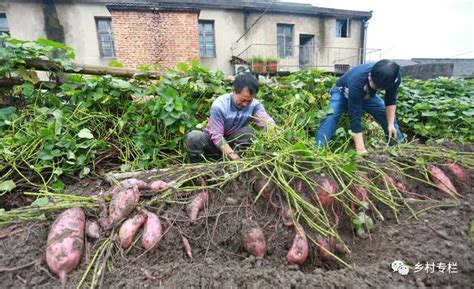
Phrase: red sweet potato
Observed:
(457, 171)
(65, 243)
(442, 181)
(337, 246)
(299, 249)
(252, 238)
(151, 231)
(262, 185)
(187, 247)
(130, 183)
(323, 193)
(323, 248)
(359, 192)
(287, 215)
(122, 204)
(157, 186)
(198, 203)
(129, 230)
(93, 229)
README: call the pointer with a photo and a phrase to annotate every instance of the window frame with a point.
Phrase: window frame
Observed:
(285, 53)
(212, 22)
(101, 18)
(348, 28)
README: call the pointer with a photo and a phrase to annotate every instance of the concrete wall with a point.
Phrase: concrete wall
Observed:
(80, 30)
(463, 67)
(228, 26)
(26, 22)
(428, 70)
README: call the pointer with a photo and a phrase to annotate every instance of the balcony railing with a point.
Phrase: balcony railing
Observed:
(298, 57)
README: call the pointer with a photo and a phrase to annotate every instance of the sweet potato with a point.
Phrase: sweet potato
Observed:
(130, 183)
(359, 192)
(287, 215)
(187, 247)
(93, 229)
(323, 248)
(442, 181)
(151, 231)
(262, 185)
(252, 238)
(129, 230)
(198, 203)
(65, 243)
(157, 186)
(299, 249)
(457, 171)
(323, 193)
(337, 246)
(122, 204)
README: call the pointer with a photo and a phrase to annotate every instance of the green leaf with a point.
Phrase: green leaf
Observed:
(41, 201)
(58, 186)
(46, 133)
(121, 84)
(7, 186)
(360, 231)
(84, 172)
(85, 133)
(349, 167)
(125, 168)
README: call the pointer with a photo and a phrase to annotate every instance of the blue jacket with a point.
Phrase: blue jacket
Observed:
(355, 85)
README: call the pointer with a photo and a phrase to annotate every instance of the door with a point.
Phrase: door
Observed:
(306, 56)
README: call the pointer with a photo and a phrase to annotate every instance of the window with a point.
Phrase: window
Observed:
(3, 27)
(342, 28)
(206, 39)
(106, 37)
(285, 40)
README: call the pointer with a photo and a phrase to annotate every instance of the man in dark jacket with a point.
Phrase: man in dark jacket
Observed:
(355, 92)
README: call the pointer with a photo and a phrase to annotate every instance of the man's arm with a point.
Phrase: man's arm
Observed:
(216, 130)
(391, 107)
(262, 119)
(356, 92)
(390, 113)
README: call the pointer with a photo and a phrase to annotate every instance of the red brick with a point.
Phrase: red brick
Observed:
(147, 38)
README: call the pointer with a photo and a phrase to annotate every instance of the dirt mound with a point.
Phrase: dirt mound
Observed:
(441, 235)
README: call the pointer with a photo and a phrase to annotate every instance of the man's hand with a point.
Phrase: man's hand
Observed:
(362, 151)
(272, 131)
(233, 156)
(359, 143)
(392, 132)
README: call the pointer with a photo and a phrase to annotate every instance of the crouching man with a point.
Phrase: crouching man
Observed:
(227, 132)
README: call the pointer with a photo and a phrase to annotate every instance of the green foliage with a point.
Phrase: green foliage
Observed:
(257, 58)
(438, 108)
(272, 59)
(72, 128)
(89, 123)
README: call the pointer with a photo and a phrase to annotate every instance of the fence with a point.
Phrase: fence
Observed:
(297, 57)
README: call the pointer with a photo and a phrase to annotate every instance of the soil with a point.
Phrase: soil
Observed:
(441, 235)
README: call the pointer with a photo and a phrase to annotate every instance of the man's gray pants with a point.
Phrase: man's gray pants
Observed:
(201, 147)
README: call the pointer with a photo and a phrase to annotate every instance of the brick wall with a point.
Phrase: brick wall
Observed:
(147, 38)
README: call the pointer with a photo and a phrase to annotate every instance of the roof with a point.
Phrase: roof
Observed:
(244, 5)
